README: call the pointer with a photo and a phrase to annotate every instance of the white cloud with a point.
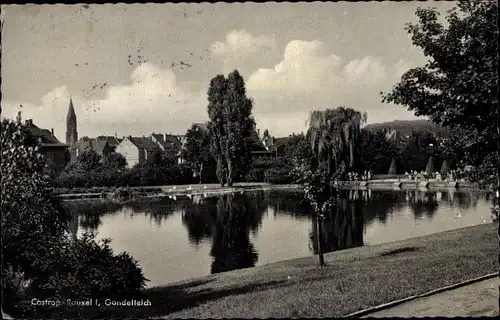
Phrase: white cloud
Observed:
(242, 50)
(310, 76)
(241, 42)
(153, 101)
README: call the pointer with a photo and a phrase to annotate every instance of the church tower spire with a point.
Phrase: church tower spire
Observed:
(71, 129)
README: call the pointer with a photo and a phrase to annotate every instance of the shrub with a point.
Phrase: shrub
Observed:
(255, 175)
(89, 269)
(278, 176)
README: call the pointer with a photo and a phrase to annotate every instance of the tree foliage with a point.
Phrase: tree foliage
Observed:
(335, 136)
(197, 150)
(296, 146)
(376, 152)
(406, 127)
(36, 245)
(458, 85)
(230, 125)
(115, 161)
(89, 160)
(32, 218)
(417, 150)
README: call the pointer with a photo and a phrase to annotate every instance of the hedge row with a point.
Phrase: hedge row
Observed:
(64, 190)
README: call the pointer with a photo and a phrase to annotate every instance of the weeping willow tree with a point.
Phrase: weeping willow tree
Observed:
(334, 136)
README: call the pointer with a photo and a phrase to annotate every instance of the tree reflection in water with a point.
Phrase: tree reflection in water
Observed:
(343, 227)
(236, 217)
(229, 221)
(423, 203)
(87, 214)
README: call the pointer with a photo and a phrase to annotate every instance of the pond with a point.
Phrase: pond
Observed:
(183, 238)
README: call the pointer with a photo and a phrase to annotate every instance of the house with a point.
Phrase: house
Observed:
(275, 145)
(257, 147)
(113, 141)
(100, 146)
(137, 149)
(56, 153)
(201, 125)
(168, 143)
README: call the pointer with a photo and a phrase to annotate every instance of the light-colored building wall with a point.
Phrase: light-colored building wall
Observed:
(131, 153)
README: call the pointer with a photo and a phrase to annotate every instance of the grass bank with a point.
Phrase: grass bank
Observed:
(352, 280)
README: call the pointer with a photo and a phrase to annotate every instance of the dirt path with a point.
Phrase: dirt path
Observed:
(478, 299)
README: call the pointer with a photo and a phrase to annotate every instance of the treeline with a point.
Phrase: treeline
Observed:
(406, 127)
(376, 154)
(93, 170)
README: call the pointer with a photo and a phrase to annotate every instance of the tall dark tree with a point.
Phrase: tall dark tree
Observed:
(376, 152)
(230, 126)
(417, 150)
(458, 85)
(216, 95)
(197, 150)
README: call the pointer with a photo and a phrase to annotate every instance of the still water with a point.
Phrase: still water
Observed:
(187, 238)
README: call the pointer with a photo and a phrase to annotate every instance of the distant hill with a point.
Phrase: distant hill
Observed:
(407, 126)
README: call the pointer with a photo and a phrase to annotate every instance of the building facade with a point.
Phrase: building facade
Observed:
(137, 150)
(55, 152)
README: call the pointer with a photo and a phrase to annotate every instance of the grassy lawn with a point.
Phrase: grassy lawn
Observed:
(352, 280)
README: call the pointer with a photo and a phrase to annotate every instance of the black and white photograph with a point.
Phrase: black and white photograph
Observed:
(250, 160)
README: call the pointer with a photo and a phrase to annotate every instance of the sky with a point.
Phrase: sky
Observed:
(135, 69)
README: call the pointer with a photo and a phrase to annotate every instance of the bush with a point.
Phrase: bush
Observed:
(85, 269)
(278, 176)
(255, 175)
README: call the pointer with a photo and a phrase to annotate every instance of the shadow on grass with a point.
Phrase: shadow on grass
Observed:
(164, 300)
(400, 250)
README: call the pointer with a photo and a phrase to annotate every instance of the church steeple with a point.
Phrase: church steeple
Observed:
(71, 129)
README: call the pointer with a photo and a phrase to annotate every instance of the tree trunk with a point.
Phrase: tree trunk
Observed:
(201, 172)
(221, 175)
(230, 173)
(351, 155)
(320, 241)
(329, 162)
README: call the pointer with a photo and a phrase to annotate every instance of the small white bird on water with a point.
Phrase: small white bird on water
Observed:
(189, 188)
(205, 187)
